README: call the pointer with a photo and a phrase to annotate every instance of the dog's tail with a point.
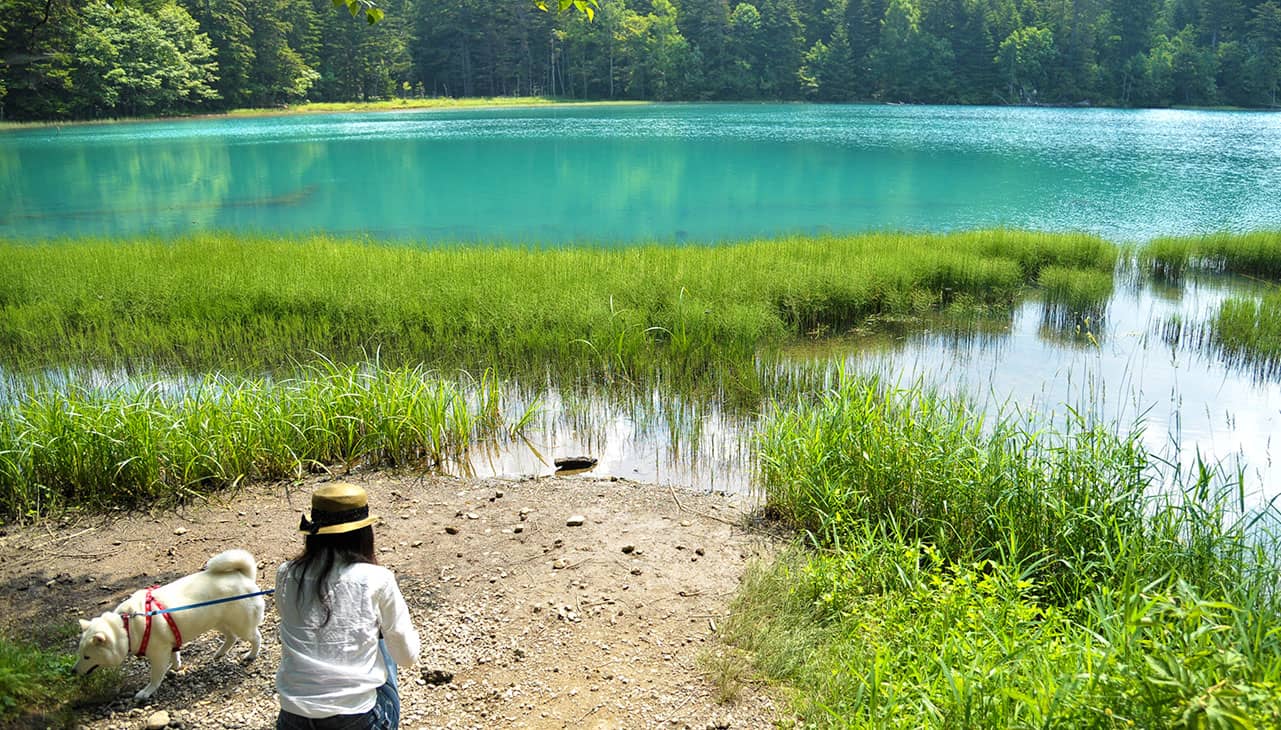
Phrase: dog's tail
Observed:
(234, 561)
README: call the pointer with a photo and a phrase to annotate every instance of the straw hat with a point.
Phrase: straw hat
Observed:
(336, 508)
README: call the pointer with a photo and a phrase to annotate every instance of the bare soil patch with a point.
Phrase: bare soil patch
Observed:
(536, 623)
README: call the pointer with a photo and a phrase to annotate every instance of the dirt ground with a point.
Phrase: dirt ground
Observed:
(527, 622)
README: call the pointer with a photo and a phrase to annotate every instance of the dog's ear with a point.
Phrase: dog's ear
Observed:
(100, 638)
(83, 624)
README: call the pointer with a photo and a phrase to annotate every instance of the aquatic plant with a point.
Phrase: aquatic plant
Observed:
(1252, 254)
(957, 572)
(78, 447)
(228, 302)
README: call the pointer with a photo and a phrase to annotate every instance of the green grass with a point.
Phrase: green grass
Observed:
(1079, 290)
(957, 573)
(229, 301)
(1249, 330)
(1246, 330)
(1251, 254)
(38, 689)
(81, 448)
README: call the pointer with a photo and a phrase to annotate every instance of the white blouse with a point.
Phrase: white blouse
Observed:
(336, 669)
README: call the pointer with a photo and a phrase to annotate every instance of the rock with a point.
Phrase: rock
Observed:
(177, 531)
(629, 549)
(517, 529)
(686, 523)
(473, 516)
(700, 551)
(575, 521)
(559, 563)
(574, 462)
(437, 677)
(451, 530)
(158, 720)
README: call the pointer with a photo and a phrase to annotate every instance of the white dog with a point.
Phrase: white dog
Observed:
(109, 638)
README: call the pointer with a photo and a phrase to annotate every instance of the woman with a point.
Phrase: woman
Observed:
(344, 625)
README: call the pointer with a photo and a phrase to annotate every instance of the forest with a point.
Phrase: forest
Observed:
(78, 59)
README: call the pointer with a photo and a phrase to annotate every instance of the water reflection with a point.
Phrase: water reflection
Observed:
(697, 172)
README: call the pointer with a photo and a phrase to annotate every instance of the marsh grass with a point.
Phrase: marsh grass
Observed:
(77, 447)
(235, 302)
(1255, 254)
(37, 687)
(1245, 330)
(957, 572)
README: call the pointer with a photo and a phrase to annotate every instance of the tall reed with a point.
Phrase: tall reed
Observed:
(225, 301)
(82, 448)
(1253, 254)
(963, 573)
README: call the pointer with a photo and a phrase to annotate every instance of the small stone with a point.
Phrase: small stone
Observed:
(451, 530)
(518, 529)
(700, 551)
(178, 531)
(629, 549)
(559, 563)
(686, 523)
(575, 521)
(636, 571)
(437, 677)
(416, 543)
(158, 720)
(498, 494)
(473, 516)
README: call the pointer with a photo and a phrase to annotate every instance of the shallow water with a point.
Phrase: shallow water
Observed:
(668, 172)
(1117, 367)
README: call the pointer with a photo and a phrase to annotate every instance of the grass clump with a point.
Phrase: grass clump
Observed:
(37, 688)
(83, 448)
(1080, 290)
(1249, 330)
(1245, 330)
(215, 300)
(1252, 254)
(962, 573)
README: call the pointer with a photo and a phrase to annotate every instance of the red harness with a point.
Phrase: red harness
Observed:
(151, 604)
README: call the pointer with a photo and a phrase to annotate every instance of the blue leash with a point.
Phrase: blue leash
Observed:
(202, 604)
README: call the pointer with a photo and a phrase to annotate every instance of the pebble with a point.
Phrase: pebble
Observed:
(451, 530)
(177, 531)
(629, 548)
(575, 521)
(158, 720)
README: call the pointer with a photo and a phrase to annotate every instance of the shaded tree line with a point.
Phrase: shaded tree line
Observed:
(101, 58)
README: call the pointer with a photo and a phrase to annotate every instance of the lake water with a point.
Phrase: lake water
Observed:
(669, 172)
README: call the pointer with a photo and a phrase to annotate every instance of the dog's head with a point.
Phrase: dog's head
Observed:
(102, 643)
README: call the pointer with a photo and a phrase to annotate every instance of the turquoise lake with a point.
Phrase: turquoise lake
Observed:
(666, 172)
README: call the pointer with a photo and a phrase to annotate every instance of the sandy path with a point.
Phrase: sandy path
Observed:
(540, 624)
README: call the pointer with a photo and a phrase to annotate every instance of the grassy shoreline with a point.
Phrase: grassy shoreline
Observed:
(957, 573)
(384, 105)
(214, 300)
(949, 571)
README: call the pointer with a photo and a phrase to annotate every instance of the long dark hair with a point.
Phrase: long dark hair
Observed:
(325, 553)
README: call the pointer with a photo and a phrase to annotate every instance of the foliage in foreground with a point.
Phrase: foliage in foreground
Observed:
(82, 448)
(37, 688)
(231, 301)
(961, 574)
